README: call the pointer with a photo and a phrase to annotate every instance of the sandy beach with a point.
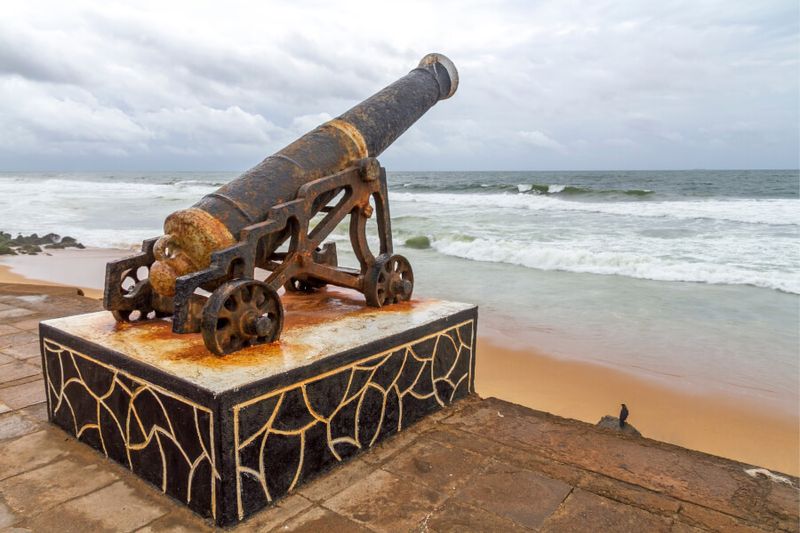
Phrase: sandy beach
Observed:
(721, 425)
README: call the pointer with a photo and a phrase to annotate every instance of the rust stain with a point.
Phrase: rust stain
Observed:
(302, 310)
(353, 134)
(190, 236)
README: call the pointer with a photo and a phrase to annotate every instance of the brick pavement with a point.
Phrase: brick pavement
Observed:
(486, 465)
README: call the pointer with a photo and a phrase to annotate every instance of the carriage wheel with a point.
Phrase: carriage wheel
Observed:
(389, 280)
(241, 313)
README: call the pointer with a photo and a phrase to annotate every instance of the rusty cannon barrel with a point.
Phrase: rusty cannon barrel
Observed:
(366, 130)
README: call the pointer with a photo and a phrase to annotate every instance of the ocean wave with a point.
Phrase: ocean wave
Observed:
(753, 211)
(524, 188)
(557, 188)
(201, 183)
(613, 263)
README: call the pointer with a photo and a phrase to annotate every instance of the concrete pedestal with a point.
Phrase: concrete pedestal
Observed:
(230, 435)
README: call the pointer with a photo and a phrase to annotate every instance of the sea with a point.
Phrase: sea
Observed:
(691, 277)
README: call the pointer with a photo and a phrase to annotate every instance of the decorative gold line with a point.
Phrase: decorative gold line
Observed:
(456, 358)
(122, 385)
(400, 404)
(262, 476)
(422, 396)
(53, 349)
(71, 410)
(393, 384)
(458, 383)
(200, 458)
(380, 420)
(433, 363)
(311, 410)
(300, 462)
(369, 364)
(115, 370)
(318, 377)
(470, 384)
(290, 432)
(48, 384)
(163, 464)
(263, 428)
(416, 379)
(61, 381)
(214, 473)
(361, 394)
(85, 427)
(99, 429)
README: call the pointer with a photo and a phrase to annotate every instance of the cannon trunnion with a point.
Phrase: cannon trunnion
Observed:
(275, 218)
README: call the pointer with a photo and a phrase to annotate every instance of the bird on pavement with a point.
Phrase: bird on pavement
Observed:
(623, 415)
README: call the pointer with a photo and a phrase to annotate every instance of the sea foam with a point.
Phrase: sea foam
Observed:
(773, 211)
(634, 265)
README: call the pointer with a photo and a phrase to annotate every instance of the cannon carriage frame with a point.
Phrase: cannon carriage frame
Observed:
(233, 309)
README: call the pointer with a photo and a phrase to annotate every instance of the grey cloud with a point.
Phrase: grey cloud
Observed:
(553, 84)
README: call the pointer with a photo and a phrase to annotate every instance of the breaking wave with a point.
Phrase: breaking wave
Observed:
(772, 211)
(613, 263)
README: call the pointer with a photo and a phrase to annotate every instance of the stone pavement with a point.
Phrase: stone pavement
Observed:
(485, 465)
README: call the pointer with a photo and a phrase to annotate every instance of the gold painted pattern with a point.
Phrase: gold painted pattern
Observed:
(370, 364)
(58, 399)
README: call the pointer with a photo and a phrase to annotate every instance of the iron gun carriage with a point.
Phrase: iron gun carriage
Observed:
(276, 217)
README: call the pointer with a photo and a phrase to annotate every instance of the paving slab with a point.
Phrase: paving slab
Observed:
(36, 491)
(5, 329)
(23, 351)
(522, 496)
(458, 517)
(7, 517)
(33, 451)
(584, 512)
(317, 519)
(115, 508)
(16, 370)
(17, 338)
(14, 313)
(19, 396)
(435, 465)
(283, 511)
(15, 424)
(384, 501)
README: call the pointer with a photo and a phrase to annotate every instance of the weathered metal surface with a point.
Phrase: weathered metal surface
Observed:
(225, 236)
(315, 326)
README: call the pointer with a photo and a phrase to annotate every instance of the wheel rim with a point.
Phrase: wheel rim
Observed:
(392, 281)
(241, 314)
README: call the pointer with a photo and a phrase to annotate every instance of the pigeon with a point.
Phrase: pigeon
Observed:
(623, 416)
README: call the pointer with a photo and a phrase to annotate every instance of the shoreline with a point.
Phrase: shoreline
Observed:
(712, 423)
(715, 423)
(82, 269)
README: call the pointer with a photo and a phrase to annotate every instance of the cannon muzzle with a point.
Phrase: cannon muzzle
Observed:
(366, 130)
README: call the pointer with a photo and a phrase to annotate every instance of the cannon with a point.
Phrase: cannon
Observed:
(275, 217)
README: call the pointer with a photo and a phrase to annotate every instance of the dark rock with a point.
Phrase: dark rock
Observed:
(29, 249)
(420, 243)
(612, 423)
(31, 244)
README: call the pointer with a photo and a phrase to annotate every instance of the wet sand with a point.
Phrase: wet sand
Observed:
(721, 425)
(716, 424)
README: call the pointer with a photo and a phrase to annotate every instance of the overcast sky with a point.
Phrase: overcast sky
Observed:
(555, 84)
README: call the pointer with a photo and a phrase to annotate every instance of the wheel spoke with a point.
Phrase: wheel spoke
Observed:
(260, 298)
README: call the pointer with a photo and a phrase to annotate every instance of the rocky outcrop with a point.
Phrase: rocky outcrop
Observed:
(612, 422)
(32, 244)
